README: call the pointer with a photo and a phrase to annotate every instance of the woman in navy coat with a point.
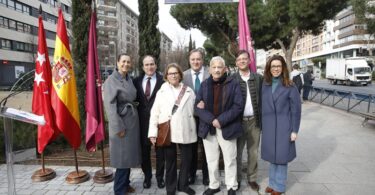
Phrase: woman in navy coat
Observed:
(281, 116)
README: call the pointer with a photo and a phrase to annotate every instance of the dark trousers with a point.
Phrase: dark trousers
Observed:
(171, 167)
(121, 182)
(306, 91)
(194, 162)
(146, 162)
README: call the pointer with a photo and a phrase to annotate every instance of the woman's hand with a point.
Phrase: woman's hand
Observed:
(153, 140)
(121, 134)
(200, 105)
(293, 136)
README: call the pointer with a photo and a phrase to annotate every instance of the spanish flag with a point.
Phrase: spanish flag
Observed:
(64, 93)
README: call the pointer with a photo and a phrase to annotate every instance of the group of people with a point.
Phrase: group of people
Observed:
(302, 80)
(206, 107)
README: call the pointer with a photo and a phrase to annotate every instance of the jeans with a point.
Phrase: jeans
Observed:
(278, 176)
(122, 181)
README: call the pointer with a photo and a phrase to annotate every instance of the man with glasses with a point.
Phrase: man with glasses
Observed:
(251, 86)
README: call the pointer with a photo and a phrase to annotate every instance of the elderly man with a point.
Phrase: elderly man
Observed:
(251, 87)
(147, 85)
(193, 78)
(219, 108)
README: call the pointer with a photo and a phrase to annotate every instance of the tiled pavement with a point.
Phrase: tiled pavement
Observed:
(335, 155)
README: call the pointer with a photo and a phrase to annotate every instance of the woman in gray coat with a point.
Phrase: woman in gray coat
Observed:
(124, 140)
(281, 117)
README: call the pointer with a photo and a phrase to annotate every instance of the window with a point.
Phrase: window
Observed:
(4, 2)
(20, 27)
(19, 7)
(12, 24)
(5, 44)
(11, 4)
(27, 28)
(3, 22)
(20, 46)
(26, 9)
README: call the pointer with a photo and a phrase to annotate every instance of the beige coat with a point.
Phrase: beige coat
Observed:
(183, 129)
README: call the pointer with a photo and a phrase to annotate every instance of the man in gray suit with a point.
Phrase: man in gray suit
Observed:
(193, 78)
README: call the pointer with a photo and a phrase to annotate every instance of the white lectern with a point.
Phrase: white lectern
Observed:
(10, 114)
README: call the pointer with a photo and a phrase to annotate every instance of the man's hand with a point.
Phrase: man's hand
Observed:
(200, 105)
(216, 124)
(293, 136)
(153, 140)
(121, 134)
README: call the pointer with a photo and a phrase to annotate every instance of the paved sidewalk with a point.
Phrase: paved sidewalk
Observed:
(335, 155)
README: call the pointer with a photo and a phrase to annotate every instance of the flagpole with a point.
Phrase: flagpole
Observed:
(103, 162)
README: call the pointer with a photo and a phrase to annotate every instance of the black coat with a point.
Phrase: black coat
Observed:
(144, 107)
(230, 118)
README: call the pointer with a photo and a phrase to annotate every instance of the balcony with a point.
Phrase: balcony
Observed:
(352, 32)
(345, 24)
(107, 7)
(107, 18)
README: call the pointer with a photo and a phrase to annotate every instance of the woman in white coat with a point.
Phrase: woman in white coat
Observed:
(182, 124)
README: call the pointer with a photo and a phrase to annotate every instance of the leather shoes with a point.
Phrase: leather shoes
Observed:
(254, 185)
(206, 181)
(191, 180)
(161, 184)
(268, 190)
(231, 192)
(210, 191)
(238, 185)
(147, 184)
(276, 193)
(189, 191)
(130, 190)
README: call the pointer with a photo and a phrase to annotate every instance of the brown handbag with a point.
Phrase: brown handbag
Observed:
(164, 129)
(164, 134)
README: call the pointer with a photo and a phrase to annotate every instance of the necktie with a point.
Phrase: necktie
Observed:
(197, 84)
(148, 88)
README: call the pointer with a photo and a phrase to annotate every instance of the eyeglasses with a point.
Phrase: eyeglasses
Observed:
(172, 74)
(276, 67)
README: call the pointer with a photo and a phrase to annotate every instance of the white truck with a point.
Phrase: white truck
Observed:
(348, 71)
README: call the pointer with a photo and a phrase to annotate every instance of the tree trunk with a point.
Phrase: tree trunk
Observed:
(290, 49)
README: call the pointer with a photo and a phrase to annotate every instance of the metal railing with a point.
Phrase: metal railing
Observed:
(345, 100)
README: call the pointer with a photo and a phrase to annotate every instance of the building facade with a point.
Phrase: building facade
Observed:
(342, 37)
(117, 33)
(19, 34)
(165, 50)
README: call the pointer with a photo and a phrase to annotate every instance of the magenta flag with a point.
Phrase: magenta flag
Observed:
(94, 101)
(245, 35)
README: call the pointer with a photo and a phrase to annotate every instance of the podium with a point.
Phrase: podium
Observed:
(10, 114)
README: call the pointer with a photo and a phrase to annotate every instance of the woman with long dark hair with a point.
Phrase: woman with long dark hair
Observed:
(281, 117)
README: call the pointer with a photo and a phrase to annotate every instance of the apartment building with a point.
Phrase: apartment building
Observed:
(19, 34)
(342, 37)
(117, 33)
(165, 50)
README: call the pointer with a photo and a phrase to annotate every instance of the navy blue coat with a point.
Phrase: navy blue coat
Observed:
(230, 118)
(281, 115)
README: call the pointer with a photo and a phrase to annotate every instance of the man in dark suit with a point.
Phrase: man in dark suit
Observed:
(193, 78)
(147, 85)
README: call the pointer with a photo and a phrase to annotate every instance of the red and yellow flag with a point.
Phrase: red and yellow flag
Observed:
(64, 93)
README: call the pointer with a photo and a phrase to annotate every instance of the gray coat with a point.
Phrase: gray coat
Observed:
(119, 94)
(188, 79)
(281, 115)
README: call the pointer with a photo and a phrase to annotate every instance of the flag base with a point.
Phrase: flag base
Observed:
(77, 177)
(40, 175)
(103, 177)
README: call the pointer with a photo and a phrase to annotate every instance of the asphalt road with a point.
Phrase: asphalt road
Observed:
(369, 89)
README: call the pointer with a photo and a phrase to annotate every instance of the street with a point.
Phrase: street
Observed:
(369, 89)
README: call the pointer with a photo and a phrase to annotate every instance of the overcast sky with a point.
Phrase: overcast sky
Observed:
(169, 25)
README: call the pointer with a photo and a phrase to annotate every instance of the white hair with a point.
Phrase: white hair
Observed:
(217, 58)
